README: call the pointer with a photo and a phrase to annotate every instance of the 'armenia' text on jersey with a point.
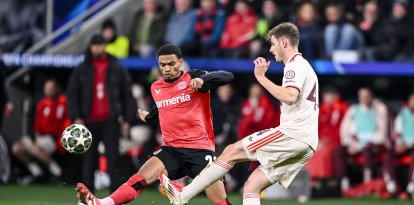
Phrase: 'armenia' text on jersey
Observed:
(184, 114)
(300, 120)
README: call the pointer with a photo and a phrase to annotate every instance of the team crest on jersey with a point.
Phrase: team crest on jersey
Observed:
(290, 74)
(182, 85)
(157, 91)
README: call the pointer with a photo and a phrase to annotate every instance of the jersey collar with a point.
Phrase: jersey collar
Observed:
(292, 58)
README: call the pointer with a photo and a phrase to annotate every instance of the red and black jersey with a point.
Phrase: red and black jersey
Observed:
(185, 116)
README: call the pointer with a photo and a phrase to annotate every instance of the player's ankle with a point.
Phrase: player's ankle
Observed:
(107, 201)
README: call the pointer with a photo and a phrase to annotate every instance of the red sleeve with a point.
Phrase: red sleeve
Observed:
(38, 117)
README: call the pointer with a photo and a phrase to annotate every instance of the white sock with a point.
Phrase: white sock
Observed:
(55, 169)
(107, 201)
(251, 199)
(410, 187)
(209, 175)
(345, 184)
(391, 186)
(34, 169)
(367, 175)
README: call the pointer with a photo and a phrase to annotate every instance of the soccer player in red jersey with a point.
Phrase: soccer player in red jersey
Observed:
(183, 110)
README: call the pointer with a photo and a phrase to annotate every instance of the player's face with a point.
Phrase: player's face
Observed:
(365, 97)
(410, 102)
(50, 89)
(98, 50)
(276, 49)
(170, 66)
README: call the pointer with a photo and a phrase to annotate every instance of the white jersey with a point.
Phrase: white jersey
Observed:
(300, 120)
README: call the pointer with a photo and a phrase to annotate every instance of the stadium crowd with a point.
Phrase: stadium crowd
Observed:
(377, 30)
(365, 135)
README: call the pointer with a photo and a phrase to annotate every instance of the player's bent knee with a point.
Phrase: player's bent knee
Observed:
(233, 153)
(250, 187)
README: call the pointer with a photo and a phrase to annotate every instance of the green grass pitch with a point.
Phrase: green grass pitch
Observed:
(65, 195)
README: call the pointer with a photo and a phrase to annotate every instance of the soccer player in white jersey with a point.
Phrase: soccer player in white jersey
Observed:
(281, 151)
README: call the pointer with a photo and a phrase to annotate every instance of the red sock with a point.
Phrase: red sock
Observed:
(129, 190)
(223, 202)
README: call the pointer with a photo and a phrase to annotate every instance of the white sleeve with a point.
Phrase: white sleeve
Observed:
(381, 112)
(346, 134)
(294, 77)
(398, 129)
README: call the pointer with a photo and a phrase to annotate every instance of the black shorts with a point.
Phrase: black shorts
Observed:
(181, 162)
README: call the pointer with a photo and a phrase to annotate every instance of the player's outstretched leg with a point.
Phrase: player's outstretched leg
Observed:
(232, 154)
(124, 194)
(129, 190)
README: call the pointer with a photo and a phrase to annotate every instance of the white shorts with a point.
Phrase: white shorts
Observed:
(46, 142)
(281, 157)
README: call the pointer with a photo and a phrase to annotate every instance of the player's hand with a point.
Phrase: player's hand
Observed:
(401, 148)
(125, 128)
(8, 109)
(352, 150)
(142, 114)
(260, 66)
(196, 83)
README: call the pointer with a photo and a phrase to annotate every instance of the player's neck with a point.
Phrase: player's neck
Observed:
(289, 53)
(174, 79)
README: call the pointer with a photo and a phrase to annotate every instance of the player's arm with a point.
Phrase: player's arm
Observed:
(287, 95)
(149, 117)
(203, 80)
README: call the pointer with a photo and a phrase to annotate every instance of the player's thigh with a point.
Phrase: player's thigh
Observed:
(256, 182)
(151, 169)
(216, 192)
(234, 153)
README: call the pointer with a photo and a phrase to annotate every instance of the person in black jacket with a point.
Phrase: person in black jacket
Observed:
(6, 107)
(99, 96)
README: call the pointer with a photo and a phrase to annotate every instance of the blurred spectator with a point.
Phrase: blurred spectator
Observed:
(50, 120)
(225, 107)
(238, 31)
(339, 34)
(271, 17)
(394, 40)
(6, 106)
(148, 28)
(363, 133)
(118, 45)
(181, 23)
(142, 141)
(310, 35)
(403, 146)
(331, 113)
(207, 32)
(99, 94)
(257, 112)
(370, 23)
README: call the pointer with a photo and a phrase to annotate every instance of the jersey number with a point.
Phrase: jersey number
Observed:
(210, 158)
(312, 96)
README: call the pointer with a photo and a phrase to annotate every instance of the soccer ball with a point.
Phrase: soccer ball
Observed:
(76, 139)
